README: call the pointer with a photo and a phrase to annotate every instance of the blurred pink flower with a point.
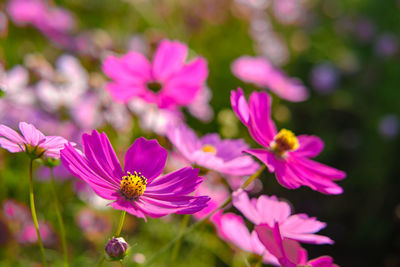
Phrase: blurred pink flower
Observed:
(232, 228)
(138, 189)
(283, 152)
(32, 141)
(92, 224)
(269, 210)
(28, 234)
(167, 81)
(15, 212)
(54, 22)
(224, 156)
(261, 72)
(288, 252)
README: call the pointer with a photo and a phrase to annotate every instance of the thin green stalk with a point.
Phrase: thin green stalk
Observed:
(201, 222)
(177, 246)
(59, 218)
(117, 234)
(121, 223)
(33, 211)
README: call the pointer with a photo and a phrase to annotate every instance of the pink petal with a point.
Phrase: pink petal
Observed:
(32, 135)
(101, 156)
(11, 146)
(128, 206)
(323, 261)
(240, 106)
(241, 201)
(168, 59)
(310, 146)
(250, 69)
(266, 157)
(184, 85)
(125, 92)
(261, 127)
(147, 157)
(132, 68)
(80, 167)
(11, 135)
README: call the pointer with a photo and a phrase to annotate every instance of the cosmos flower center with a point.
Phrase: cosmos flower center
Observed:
(209, 149)
(284, 141)
(133, 185)
(34, 151)
(154, 86)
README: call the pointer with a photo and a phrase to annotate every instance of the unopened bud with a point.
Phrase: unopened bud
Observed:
(116, 248)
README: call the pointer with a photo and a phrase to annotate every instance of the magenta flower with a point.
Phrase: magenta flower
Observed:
(137, 189)
(269, 210)
(32, 141)
(224, 156)
(284, 153)
(232, 228)
(288, 252)
(262, 73)
(167, 81)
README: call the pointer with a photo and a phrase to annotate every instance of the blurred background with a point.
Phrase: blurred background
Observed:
(346, 52)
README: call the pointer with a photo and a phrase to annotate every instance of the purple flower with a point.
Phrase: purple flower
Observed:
(324, 78)
(32, 141)
(167, 81)
(284, 153)
(260, 71)
(137, 189)
(211, 152)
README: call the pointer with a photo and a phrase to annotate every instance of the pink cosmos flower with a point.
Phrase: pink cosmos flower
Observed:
(232, 228)
(137, 189)
(32, 141)
(269, 210)
(288, 252)
(260, 71)
(224, 156)
(284, 153)
(167, 81)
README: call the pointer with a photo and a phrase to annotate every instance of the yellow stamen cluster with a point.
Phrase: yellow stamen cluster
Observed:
(284, 141)
(133, 185)
(209, 149)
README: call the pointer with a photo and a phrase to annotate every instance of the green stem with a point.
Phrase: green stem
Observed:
(121, 223)
(59, 218)
(177, 246)
(33, 211)
(202, 221)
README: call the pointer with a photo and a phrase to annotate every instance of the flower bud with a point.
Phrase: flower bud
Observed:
(116, 248)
